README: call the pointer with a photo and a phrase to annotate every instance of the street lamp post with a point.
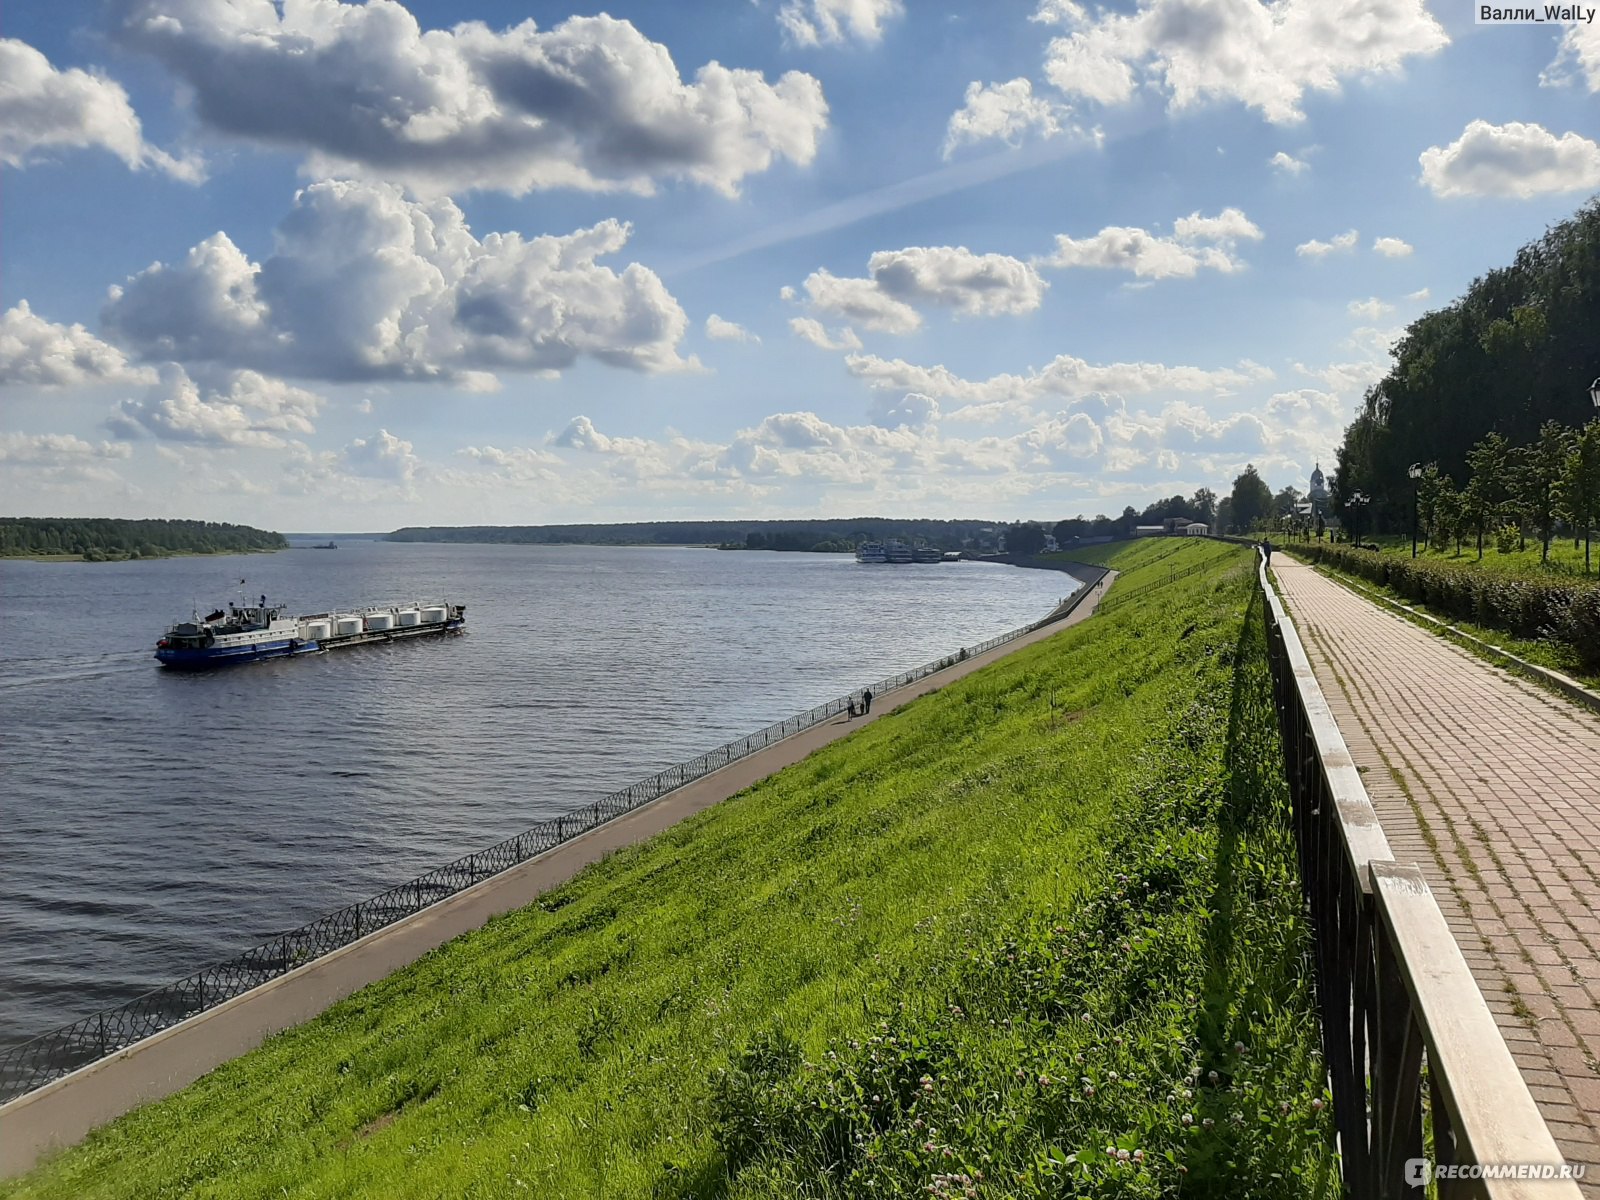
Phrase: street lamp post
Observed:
(1594, 394)
(1415, 471)
(1356, 502)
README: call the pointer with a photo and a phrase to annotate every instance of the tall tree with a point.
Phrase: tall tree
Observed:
(1515, 350)
(1251, 499)
(1204, 505)
(1580, 486)
(1025, 538)
(1543, 464)
(1070, 529)
(1447, 516)
(1490, 489)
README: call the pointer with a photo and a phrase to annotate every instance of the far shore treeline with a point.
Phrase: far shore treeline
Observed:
(99, 539)
(836, 535)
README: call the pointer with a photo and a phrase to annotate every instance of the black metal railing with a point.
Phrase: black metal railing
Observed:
(36, 1062)
(1401, 1013)
(1121, 598)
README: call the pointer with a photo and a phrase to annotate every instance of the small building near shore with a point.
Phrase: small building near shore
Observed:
(1196, 529)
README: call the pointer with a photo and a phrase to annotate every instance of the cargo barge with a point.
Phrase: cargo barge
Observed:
(252, 632)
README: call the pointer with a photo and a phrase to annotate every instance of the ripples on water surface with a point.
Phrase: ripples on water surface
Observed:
(152, 822)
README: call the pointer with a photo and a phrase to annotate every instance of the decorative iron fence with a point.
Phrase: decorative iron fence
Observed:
(36, 1062)
(1401, 1013)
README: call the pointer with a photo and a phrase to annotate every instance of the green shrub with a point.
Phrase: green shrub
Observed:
(1507, 538)
(1561, 609)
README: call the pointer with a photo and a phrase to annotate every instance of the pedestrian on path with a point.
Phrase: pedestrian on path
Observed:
(866, 701)
(1266, 550)
(850, 702)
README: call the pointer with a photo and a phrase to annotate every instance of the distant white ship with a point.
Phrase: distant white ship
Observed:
(896, 551)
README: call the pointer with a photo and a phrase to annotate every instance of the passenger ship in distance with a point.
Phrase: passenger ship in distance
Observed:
(252, 632)
(896, 551)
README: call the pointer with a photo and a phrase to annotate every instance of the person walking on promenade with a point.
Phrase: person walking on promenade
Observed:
(850, 703)
(1266, 550)
(866, 701)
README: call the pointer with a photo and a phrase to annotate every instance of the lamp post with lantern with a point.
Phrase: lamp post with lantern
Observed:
(1355, 502)
(1594, 394)
(1415, 471)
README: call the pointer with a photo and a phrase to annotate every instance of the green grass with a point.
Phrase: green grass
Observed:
(1565, 559)
(1092, 826)
(1144, 560)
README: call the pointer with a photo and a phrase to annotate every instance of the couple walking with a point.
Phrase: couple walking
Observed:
(864, 707)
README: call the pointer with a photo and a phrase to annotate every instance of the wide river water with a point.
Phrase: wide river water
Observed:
(152, 822)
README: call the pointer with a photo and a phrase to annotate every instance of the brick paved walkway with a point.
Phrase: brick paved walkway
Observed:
(1492, 787)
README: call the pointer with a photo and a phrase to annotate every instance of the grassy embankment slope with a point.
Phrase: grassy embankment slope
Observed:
(1015, 923)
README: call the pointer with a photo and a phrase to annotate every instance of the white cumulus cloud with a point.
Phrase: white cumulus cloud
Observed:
(1288, 164)
(722, 330)
(43, 110)
(1514, 159)
(365, 283)
(382, 456)
(1316, 248)
(813, 331)
(55, 449)
(1577, 58)
(40, 352)
(829, 22)
(1063, 376)
(860, 300)
(955, 277)
(250, 410)
(1197, 243)
(1371, 309)
(1265, 56)
(910, 411)
(362, 90)
(1392, 247)
(898, 281)
(1008, 111)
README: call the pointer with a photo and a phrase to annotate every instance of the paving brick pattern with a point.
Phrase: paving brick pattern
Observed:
(1492, 787)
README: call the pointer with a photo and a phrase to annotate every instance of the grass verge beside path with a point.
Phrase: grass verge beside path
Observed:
(1016, 922)
(1565, 558)
(1557, 656)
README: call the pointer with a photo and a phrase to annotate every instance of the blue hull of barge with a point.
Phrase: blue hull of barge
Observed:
(220, 656)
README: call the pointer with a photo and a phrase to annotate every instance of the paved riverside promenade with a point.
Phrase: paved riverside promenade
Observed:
(63, 1112)
(1492, 787)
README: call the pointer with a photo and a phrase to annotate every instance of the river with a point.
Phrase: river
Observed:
(152, 822)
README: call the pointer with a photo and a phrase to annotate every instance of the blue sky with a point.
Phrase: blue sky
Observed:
(354, 265)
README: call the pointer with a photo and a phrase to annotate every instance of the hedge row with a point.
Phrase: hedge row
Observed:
(1561, 609)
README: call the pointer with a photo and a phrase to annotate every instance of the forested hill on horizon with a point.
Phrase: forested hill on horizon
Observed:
(114, 538)
(840, 534)
(1519, 348)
